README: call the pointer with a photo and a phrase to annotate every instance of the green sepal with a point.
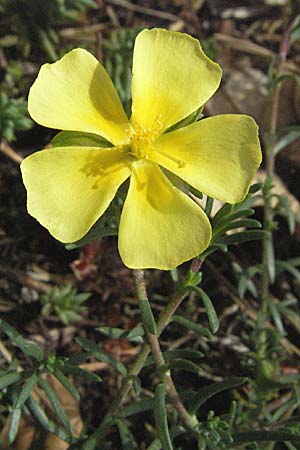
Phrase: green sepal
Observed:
(79, 139)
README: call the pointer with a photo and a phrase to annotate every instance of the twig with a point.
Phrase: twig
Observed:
(10, 152)
(188, 420)
(6, 354)
(142, 9)
(268, 209)
(246, 46)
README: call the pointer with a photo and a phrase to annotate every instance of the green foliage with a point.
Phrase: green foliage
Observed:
(13, 116)
(17, 385)
(65, 302)
(118, 51)
(35, 24)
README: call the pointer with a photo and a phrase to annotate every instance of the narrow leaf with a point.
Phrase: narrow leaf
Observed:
(232, 225)
(79, 139)
(14, 425)
(270, 257)
(209, 391)
(29, 348)
(224, 211)
(192, 326)
(94, 349)
(243, 236)
(26, 390)
(69, 369)
(10, 378)
(66, 383)
(288, 135)
(147, 315)
(273, 436)
(276, 317)
(57, 406)
(46, 423)
(97, 231)
(187, 353)
(134, 335)
(126, 437)
(185, 364)
(137, 407)
(209, 308)
(160, 415)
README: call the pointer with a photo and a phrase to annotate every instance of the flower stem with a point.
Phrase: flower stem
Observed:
(188, 420)
(162, 322)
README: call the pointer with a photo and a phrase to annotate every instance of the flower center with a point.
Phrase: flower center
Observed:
(142, 139)
(142, 142)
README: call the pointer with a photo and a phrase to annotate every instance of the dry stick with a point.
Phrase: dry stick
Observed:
(142, 9)
(10, 152)
(188, 420)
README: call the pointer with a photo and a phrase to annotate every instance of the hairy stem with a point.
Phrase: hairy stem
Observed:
(162, 322)
(188, 420)
(270, 168)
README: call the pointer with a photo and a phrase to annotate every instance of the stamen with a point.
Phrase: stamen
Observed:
(179, 162)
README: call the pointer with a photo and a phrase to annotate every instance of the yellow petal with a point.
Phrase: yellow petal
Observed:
(160, 226)
(172, 77)
(76, 93)
(69, 188)
(218, 156)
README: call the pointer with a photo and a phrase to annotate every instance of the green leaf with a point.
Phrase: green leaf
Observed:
(79, 139)
(69, 369)
(160, 415)
(137, 407)
(201, 331)
(185, 364)
(46, 423)
(286, 137)
(97, 231)
(232, 225)
(295, 32)
(287, 76)
(14, 425)
(219, 222)
(66, 383)
(286, 266)
(57, 406)
(276, 317)
(134, 335)
(171, 355)
(174, 432)
(270, 257)
(209, 308)
(208, 205)
(29, 348)
(126, 437)
(274, 436)
(209, 391)
(26, 390)
(243, 236)
(95, 350)
(10, 378)
(147, 315)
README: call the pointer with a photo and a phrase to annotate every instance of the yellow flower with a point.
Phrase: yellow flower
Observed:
(69, 188)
